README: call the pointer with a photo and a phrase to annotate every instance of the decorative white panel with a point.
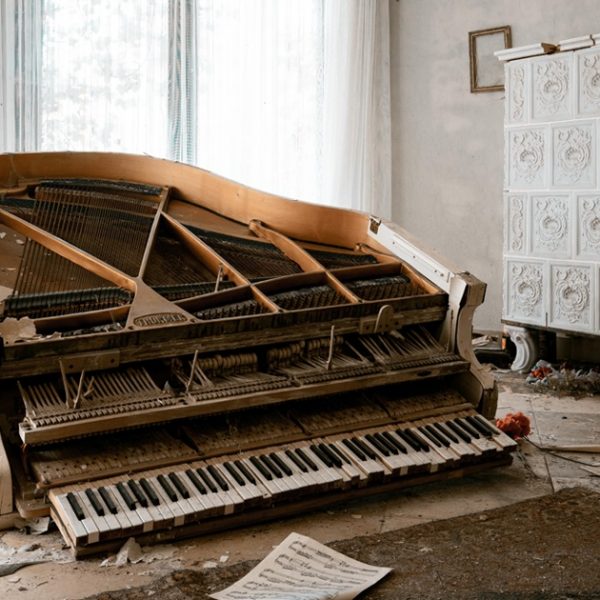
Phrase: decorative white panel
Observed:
(514, 224)
(552, 190)
(526, 158)
(571, 292)
(517, 77)
(574, 155)
(588, 227)
(525, 292)
(589, 82)
(551, 225)
(552, 87)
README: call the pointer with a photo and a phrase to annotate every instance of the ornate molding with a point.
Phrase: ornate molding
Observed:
(515, 241)
(526, 345)
(590, 82)
(589, 225)
(551, 87)
(527, 154)
(551, 224)
(571, 294)
(526, 290)
(572, 154)
(517, 93)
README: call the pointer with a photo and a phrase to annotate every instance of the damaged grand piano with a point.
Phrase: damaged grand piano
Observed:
(182, 354)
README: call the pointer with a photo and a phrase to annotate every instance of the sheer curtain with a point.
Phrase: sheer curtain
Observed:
(20, 56)
(289, 96)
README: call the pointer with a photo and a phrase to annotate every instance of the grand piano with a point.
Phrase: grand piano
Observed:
(183, 354)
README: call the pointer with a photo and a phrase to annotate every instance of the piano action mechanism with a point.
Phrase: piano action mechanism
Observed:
(182, 354)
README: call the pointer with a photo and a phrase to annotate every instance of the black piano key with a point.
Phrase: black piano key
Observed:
(385, 442)
(411, 440)
(207, 480)
(423, 443)
(137, 492)
(339, 453)
(434, 440)
(354, 449)
(459, 431)
(377, 444)
(294, 458)
(214, 472)
(245, 471)
(233, 472)
(75, 506)
(261, 468)
(197, 483)
(435, 434)
(396, 443)
(281, 464)
(150, 492)
(179, 485)
(165, 485)
(483, 425)
(333, 458)
(443, 429)
(468, 428)
(323, 457)
(311, 464)
(126, 495)
(105, 495)
(364, 448)
(95, 502)
(271, 466)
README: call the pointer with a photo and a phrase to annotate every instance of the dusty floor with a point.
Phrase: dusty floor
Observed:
(555, 420)
(545, 547)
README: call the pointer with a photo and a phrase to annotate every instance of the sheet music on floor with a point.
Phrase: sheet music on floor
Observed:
(301, 568)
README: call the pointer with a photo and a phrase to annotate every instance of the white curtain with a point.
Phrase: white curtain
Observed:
(356, 108)
(104, 76)
(289, 96)
(20, 56)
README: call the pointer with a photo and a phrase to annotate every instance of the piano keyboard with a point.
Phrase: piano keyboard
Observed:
(172, 497)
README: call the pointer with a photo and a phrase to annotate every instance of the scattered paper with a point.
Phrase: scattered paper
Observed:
(301, 568)
(130, 552)
(12, 329)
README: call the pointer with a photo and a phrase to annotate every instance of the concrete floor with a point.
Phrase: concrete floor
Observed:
(555, 420)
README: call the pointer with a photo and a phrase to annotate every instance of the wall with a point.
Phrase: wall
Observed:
(447, 143)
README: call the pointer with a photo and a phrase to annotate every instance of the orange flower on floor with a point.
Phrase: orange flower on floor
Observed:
(515, 425)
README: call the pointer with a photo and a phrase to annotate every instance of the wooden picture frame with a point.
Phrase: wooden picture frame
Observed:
(487, 72)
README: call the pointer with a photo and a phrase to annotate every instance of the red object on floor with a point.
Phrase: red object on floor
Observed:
(515, 425)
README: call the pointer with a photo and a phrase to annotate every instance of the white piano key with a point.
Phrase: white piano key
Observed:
(124, 523)
(349, 466)
(69, 519)
(439, 455)
(161, 516)
(393, 463)
(374, 470)
(100, 523)
(415, 457)
(303, 481)
(132, 516)
(272, 488)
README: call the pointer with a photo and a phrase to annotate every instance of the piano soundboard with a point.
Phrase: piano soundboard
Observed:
(182, 354)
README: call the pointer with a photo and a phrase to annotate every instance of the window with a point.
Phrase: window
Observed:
(276, 94)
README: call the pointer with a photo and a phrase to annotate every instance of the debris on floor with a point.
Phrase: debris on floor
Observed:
(566, 377)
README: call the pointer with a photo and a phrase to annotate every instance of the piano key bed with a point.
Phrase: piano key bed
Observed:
(251, 486)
